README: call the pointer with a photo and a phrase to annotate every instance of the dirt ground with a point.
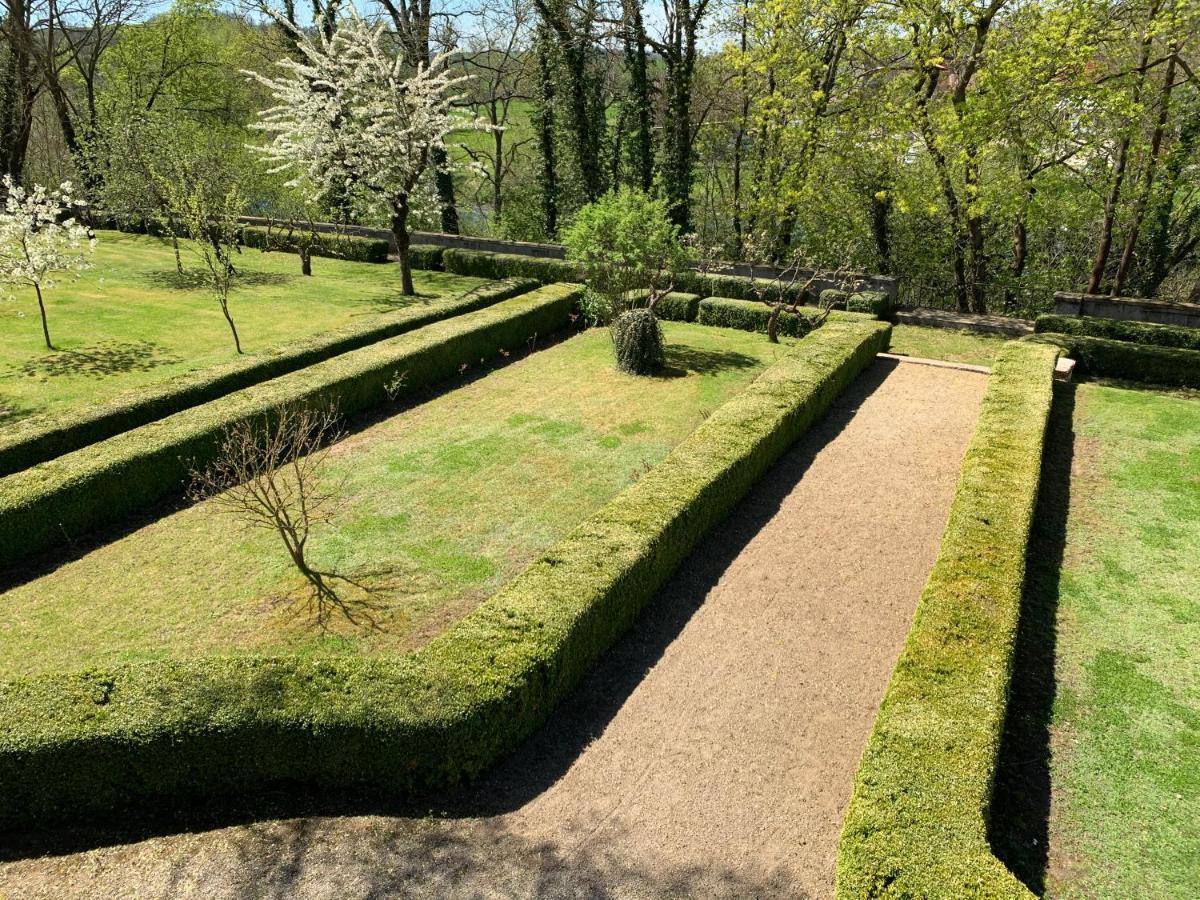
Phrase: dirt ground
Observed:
(711, 753)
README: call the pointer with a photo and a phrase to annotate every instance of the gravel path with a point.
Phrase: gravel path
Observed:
(713, 750)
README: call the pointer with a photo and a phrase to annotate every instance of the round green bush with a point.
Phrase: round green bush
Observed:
(638, 340)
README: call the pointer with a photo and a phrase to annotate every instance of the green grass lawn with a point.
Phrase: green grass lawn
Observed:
(1099, 789)
(947, 344)
(130, 321)
(444, 502)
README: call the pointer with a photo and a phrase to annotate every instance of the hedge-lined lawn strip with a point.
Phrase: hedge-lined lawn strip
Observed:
(949, 344)
(446, 501)
(1126, 719)
(129, 322)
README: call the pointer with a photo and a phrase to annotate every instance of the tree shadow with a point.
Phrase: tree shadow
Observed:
(13, 411)
(195, 280)
(101, 360)
(1019, 823)
(391, 301)
(682, 360)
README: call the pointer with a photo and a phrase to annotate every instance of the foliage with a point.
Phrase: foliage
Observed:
(749, 315)
(428, 719)
(337, 246)
(625, 241)
(1107, 358)
(100, 484)
(1121, 330)
(638, 341)
(918, 817)
(38, 240)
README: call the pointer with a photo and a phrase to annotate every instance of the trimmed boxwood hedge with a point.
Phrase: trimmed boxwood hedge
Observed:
(58, 501)
(29, 443)
(509, 265)
(426, 256)
(1120, 330)
(917, 821)
(341, 246)
(1106, 358)
(674, 306)
(752, 315)
(80, 744)
(483, 264)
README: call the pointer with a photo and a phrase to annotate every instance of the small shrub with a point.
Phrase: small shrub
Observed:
(877, 303)
(831, 298)
(638, 340)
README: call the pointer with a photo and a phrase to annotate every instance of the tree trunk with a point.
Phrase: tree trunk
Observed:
(400, 233)
(237, 341)
(545, 128)
(445, 191)
(17, 93)
(305, 260)
(1160, 262)
(881, 210)
(42, 310)
(1147, 186)
(641, 151)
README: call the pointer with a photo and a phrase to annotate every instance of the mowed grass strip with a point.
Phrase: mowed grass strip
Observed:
(1125, 729)
(444, 502)
(948, 344)
(130, 321)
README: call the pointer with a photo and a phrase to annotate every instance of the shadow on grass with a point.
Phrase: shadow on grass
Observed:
(537, 765)
(195, 280)
(682, 360)
(1019, 828)
(101, 360)
(13, 411)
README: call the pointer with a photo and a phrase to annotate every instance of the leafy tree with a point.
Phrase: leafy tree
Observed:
(626, 242)
(38, 240)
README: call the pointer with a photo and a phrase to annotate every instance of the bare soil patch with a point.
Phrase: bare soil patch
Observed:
(711, 753)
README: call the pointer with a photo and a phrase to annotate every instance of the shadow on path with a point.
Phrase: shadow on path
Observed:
(1019, 829)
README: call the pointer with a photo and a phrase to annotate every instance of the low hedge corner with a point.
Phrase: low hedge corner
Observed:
(917, 821)
(1108, 358)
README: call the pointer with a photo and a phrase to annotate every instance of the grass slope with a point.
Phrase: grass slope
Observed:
(445, 501)
(949, 344)
(130, 321)
(1125, 731)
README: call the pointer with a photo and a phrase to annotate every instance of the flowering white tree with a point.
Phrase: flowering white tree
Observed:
(38, 240)
(352, 119)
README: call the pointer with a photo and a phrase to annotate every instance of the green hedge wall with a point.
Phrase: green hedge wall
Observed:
(29, 443)
(675, 306)
(1118, 330)
(57, 501)
(917, 822)
(341, 246)
(85, 743)
(513, 265)
(738, 287)
(426, 256)
(1106, 358)
(752, 315)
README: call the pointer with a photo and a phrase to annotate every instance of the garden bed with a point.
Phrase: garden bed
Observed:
(86, 742)
(130, 322)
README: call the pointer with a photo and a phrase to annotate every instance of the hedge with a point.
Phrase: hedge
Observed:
(752, 315)
(483, 264)
(674, 306)
(59, 500)
(29, 443)
(426, 256)
(512, 265)
(1106, 358)
(341, 246)
(1120, 330)
(917, 821)
(81, 744)
(876, 303)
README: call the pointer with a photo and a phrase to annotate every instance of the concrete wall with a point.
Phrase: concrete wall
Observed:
(1133, 309)
(860, 282)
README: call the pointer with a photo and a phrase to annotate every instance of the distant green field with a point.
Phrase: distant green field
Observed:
(131, 321)
(444, 502)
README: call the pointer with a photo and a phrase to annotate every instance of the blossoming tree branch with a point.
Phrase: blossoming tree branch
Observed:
(353, 120)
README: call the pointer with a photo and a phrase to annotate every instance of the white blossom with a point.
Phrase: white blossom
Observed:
(39, 239)
(352, 120)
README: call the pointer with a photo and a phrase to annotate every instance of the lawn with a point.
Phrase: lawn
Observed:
(946, 344)
(443, 502)
(1107, 689)
(131, 321)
